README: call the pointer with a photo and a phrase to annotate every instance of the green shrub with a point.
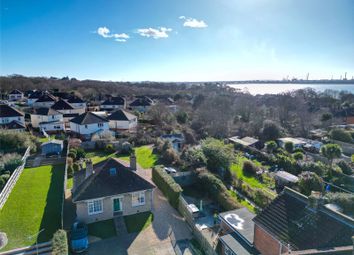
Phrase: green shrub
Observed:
(346, 169)
(12, 141)
(308, 182)
(80, 153)
(271, 146)
(341, 135)
(218, 154)
(60, 243)
(109, 148)
(72, 155)
(167, 185)
(76, 167)
(217, 190)
(319, 168)
(249, 168)
(298, 156)
(344, 200)
(289, 147)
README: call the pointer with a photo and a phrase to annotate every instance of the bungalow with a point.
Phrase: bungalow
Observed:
(11, 118)
(53, 147)
(176, 140)
(44, 101)
(298, 143)
(109, 189)
(121, 120)
(15, 95)
(88, 124)
(113, 103)
(77, 102)
(297, 223)
(141, 104)
(47, 119)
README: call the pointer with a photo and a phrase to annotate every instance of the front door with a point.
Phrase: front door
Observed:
(117, 205)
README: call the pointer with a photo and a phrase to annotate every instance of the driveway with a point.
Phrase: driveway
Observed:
(155, 239)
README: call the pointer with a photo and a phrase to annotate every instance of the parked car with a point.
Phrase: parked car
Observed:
(79, 237)
(170, 170)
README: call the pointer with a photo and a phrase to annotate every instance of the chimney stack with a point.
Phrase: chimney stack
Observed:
(132, 161)
(89, 168)
(315, 200)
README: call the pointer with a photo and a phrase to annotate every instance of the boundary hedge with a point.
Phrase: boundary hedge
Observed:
(169, 187)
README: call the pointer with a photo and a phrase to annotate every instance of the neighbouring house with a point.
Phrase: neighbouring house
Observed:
(44, 101)
(246, 141)
(77, 102)
(11, 118)
(16, 95)
(176, 140)
(237, 232)
(33, 96)
(109, 189)
(47, 119)
(68, 110)
(53, 147)
(113, 103)
(294, 223)
(170, 103)
(122, 120)
(88, 124)
(65, 107)
(297, 142)
(141, 104)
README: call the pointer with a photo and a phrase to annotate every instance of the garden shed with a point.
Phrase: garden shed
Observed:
(52, 147)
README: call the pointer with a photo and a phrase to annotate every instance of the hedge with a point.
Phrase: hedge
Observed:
(167, 185)
(60, 243)
(217, 190)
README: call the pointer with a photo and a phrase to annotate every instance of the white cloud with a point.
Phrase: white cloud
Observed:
(156, 33)
(106, 33)
(120, 40)
(193, 23)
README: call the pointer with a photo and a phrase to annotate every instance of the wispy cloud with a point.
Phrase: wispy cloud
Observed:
(193, 23)
(106, 33)
(156, 33)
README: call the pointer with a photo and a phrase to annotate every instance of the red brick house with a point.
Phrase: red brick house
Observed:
(296, 223)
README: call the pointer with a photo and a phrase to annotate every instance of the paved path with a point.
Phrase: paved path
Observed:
(153, 240)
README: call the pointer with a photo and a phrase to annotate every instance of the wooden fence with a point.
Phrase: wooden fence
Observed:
(13, 179)
(204, 243)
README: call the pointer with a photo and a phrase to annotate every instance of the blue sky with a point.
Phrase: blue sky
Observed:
(181, 40)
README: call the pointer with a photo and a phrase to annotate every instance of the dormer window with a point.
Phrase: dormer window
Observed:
(113, 171)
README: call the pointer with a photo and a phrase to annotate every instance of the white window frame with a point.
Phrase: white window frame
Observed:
(140, 198)
(92, 203)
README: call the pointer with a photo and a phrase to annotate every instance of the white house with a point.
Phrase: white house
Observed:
(15, 95)
(11, 118)
(113, 103)
(44, 101)
(88, 124)
(47, 119)
(77, 102)
(121, 120)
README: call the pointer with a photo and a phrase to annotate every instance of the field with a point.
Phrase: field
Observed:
(34, 204)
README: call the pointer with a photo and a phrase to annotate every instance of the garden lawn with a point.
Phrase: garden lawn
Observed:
(102, 229)
(144, 155)
(236, 168)
(34, 204)
(98, 156)
(46, 139)
(243, 202)
(138, 222)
